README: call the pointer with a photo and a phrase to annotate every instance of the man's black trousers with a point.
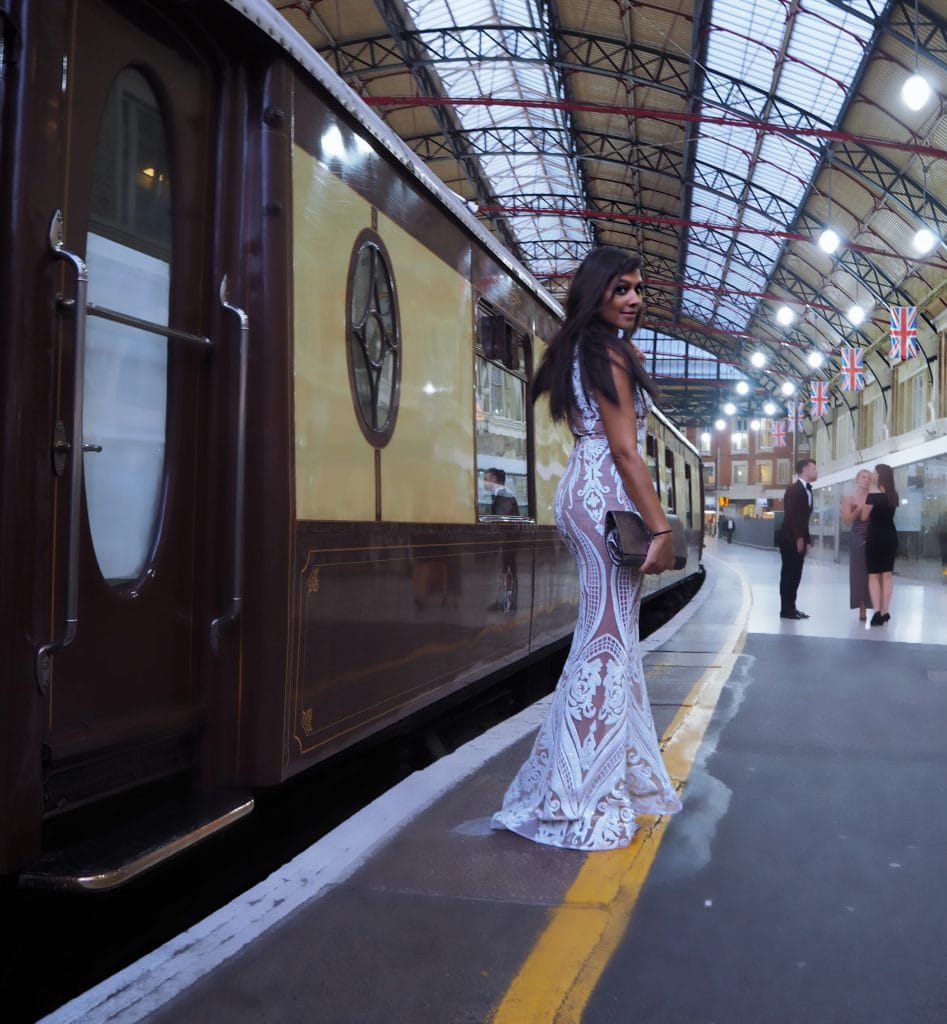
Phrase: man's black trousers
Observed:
(789, 576)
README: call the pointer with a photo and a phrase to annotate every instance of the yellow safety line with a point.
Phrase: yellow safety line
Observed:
(555, 983)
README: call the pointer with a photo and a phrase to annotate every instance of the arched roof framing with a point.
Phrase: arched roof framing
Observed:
(658, 140)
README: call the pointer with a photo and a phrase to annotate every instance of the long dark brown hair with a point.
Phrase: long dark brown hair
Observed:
(585, 332)
(886, 483)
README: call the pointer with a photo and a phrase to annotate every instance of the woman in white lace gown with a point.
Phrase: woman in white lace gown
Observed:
(596, 762)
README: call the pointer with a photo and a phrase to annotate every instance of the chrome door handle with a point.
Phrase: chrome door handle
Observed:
(240, 457)
(44, 653)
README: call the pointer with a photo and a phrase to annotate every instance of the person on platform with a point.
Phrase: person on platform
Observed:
(502, 500)
(853, 505)
(503, 503)
(596, 762)
(793, 537)
(881, 545)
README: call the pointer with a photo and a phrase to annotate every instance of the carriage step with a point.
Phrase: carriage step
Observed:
(115, 857)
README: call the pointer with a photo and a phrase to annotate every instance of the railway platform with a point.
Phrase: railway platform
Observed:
(801, 881)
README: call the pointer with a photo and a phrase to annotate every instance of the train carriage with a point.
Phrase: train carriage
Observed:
(256, 361)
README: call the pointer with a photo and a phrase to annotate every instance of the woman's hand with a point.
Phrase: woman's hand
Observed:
(660, 555)
(620, 422)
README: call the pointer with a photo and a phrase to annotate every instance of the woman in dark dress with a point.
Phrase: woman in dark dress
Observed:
(881, 545)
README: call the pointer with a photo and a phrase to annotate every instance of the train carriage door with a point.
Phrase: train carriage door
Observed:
(137, 205)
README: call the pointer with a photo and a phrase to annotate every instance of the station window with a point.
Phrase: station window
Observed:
(740, 473)
(764, 472)
(872, 420)
(764, 437)
(501, 417)
(844, 439)
(912, 389)
(783, 473)
(374, 339)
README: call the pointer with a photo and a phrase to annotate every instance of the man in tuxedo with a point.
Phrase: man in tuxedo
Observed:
(793, 537)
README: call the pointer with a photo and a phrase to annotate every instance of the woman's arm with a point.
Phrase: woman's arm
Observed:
(621, 429)
(851, 510)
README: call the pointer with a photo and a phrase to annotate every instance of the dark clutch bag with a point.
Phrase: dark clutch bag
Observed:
(627, 539)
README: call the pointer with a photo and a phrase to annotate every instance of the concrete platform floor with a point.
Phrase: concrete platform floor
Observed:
(801, 882)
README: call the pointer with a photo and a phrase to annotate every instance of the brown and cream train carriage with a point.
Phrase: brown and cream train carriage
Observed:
(255, 363)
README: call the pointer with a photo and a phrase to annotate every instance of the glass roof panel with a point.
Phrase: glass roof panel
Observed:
(677, 358)
(745, 40)
(827, 37)
(744, 45)
(664, 345)
(753, 218)
(727, 146)
(759, 64)
(543, 172)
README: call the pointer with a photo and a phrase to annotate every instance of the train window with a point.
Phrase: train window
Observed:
(671, 478)
(651, 457)
(689, 495)
(501, 418)
(131, 189)
(128, 253)
(374, 339)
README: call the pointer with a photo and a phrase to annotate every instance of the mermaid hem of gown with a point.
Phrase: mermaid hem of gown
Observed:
(586, 835)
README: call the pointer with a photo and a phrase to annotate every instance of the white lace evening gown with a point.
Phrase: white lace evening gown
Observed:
(596, 762)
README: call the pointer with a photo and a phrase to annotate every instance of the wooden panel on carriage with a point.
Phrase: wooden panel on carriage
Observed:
(398, 596)
(136, 203)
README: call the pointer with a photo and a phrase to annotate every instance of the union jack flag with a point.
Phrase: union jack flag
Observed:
(797, 412)
(779, 433)
(819, 397)
(903, 333)
(853, 368)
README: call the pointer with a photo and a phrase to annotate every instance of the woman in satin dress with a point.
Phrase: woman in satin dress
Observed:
(853, 505)
(596, 762)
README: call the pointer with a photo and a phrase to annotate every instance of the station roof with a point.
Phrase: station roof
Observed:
(718, 139)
